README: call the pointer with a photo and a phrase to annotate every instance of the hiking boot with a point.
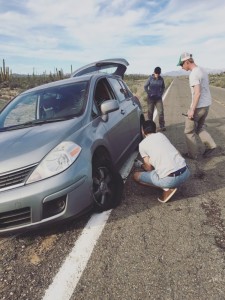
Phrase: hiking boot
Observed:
(167, 195)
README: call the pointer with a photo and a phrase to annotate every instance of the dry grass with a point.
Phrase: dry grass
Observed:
(137, 88)
(135, 83)
(217, 80)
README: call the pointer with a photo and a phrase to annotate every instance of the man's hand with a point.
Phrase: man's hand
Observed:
(147, 166)
(190, 114)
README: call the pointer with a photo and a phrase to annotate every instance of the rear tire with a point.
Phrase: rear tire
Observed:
(107, 185)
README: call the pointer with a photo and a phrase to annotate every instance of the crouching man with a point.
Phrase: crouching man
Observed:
(164, 167)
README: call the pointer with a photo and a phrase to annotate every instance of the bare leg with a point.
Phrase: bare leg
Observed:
(136, 177)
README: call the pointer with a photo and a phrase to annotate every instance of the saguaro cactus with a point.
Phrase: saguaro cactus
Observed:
(4, 72)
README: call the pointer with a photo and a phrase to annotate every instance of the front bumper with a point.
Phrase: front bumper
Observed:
(29, 206)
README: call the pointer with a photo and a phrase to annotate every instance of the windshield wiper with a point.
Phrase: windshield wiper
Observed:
(35, 122)
(43, 121)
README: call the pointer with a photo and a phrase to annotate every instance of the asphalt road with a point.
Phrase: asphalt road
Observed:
(147, 250)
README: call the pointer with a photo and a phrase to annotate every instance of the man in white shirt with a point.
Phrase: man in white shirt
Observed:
(164, 166)
(199, 108)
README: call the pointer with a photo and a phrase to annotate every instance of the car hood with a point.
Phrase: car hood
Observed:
(101, 65)
(27, 146)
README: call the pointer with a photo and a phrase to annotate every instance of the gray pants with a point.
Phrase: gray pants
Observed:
(197, 127)
(159, 106)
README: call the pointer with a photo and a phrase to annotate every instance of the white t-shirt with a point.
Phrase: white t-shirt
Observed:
(163, 156)
(199, 76)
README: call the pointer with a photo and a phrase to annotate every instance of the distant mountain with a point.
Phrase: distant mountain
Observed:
(185, 73)
(176, 73)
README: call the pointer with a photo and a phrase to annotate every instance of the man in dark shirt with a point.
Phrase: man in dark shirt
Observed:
(155, 87)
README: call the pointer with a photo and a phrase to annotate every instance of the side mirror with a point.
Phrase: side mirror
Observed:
(107, 107)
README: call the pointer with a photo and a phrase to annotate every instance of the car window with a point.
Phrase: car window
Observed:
(109, 69)
(50, 103)
(115, 66)
(127, 91)
(95, 111)
(119, 89)
(67, 100)
(103, 92)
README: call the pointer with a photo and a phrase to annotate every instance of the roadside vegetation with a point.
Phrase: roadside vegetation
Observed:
(136, 84)
(217, 79)
(13, 84)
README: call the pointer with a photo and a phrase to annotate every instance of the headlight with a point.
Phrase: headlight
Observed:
(58, 160)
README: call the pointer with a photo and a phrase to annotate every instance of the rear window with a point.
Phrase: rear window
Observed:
(109, 69)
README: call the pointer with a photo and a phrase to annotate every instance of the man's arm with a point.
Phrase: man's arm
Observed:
(196, 97)
(147, 85)
(146, 165)
(163, 86)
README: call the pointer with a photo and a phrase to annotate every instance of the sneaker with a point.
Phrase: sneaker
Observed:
(208, 152)
(138, 163)
(167, 195)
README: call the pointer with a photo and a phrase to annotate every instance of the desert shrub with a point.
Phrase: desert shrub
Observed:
(168, 80)
(133, 89)
(217, 80)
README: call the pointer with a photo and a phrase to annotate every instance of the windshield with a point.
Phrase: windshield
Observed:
(50, 104)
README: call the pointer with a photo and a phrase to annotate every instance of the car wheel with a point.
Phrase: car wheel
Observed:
(107, 185)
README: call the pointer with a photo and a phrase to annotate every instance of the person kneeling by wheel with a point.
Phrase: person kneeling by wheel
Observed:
(163, 165)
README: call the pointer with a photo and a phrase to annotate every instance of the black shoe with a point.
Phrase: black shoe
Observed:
(208, 152)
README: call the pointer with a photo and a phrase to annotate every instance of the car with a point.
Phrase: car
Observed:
(63, 144)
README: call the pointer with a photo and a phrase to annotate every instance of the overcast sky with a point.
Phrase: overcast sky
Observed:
(42, 35)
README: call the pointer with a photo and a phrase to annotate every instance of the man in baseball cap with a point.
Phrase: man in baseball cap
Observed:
(184, 56)
(199, 108)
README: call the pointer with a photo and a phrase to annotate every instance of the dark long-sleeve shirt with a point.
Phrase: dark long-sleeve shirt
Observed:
(154, 87)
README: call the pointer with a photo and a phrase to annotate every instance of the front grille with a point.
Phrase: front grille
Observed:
(15, 178)
(15, 218)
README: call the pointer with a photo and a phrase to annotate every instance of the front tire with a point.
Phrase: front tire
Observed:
(107, 185)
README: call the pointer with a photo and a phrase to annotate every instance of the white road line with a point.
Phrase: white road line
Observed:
(70, 272)
(66, 279)
(163, 98)
(219, 102)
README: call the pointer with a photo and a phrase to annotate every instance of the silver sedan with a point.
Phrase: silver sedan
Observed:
(62, 145)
